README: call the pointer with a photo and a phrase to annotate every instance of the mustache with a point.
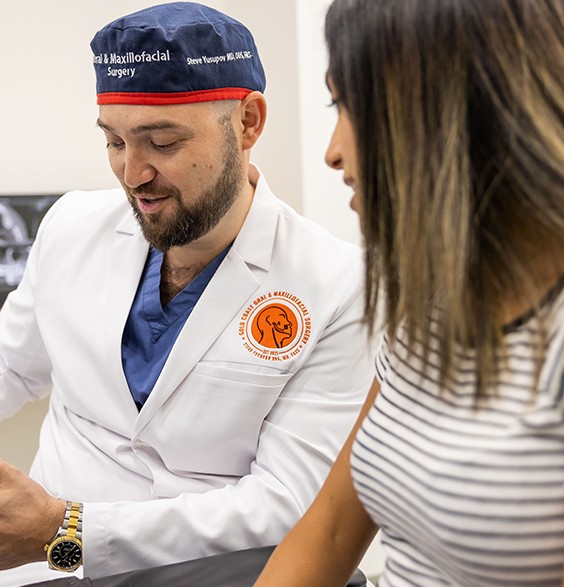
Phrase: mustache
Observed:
(150, 189)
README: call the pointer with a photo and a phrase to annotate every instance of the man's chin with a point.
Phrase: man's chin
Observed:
(164, 241)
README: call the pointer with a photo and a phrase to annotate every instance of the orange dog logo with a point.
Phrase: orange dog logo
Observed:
(275, 327)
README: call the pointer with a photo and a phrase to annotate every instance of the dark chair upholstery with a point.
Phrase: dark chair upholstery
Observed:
(233, 569)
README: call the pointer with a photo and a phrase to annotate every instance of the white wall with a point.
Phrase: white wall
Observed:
(51, 144)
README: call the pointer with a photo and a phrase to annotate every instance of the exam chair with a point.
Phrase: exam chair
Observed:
(233, 569)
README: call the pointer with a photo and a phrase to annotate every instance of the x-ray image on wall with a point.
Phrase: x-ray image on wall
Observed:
(19, 220)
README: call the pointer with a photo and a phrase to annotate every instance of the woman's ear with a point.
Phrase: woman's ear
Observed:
(253, 116)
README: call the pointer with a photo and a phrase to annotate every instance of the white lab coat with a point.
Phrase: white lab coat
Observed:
(231, 446)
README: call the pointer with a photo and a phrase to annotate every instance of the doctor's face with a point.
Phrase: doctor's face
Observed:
(180, 166)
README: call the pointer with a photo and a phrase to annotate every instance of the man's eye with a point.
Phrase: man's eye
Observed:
(115, 145)
(164, 147)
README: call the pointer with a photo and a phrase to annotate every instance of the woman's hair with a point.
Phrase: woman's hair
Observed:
(458, 112)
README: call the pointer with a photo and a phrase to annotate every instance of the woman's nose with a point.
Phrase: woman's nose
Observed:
(333, 156)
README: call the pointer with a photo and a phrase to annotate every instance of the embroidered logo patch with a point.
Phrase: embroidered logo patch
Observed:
(275, 327)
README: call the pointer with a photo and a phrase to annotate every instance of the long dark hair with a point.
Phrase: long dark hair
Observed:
(458, 111)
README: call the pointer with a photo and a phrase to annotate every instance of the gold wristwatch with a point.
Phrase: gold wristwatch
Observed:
(65, 552)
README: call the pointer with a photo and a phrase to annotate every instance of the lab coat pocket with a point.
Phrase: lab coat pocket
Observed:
(213, 420)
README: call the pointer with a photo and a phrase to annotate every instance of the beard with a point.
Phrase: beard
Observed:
(192, 221)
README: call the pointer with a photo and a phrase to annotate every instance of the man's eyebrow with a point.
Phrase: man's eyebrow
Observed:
(142, 128)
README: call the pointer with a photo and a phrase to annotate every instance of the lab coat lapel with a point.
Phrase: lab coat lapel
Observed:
(228, 290)
(126, 256)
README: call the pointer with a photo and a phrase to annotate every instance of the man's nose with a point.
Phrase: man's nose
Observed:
(137, 169)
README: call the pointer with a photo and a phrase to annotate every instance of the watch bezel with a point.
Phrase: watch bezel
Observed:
(52, 564)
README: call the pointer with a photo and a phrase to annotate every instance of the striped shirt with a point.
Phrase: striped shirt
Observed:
(468, 493)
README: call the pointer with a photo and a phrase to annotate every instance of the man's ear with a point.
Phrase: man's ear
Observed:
(253, 116)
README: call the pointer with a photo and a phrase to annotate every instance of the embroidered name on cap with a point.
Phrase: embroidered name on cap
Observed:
(231, 56)
(275, 327)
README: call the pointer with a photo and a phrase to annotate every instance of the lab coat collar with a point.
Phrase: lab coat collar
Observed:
(255, 241)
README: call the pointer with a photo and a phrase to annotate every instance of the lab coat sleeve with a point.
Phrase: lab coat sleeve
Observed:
(299, 440)
(25, 367)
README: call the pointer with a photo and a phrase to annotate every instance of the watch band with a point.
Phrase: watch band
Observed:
(72, 522)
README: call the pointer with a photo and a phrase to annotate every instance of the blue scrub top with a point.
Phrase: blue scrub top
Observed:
(151, 330)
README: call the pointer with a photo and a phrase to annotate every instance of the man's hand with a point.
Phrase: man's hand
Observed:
(29, 518)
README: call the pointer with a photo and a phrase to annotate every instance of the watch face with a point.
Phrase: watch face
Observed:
(65, 553)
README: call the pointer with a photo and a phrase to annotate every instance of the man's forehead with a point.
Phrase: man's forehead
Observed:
(142, 118)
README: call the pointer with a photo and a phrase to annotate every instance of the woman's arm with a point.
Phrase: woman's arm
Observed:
(326, 545)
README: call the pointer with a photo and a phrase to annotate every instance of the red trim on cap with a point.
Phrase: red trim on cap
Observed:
(172, 97)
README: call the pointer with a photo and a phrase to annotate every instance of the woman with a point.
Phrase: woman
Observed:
(451, 132)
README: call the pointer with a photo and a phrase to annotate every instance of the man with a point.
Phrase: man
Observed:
(178, 426)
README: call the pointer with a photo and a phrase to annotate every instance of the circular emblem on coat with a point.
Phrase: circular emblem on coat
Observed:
(275, 327)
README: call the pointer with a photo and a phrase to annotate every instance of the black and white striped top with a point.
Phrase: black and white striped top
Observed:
(468, 494)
